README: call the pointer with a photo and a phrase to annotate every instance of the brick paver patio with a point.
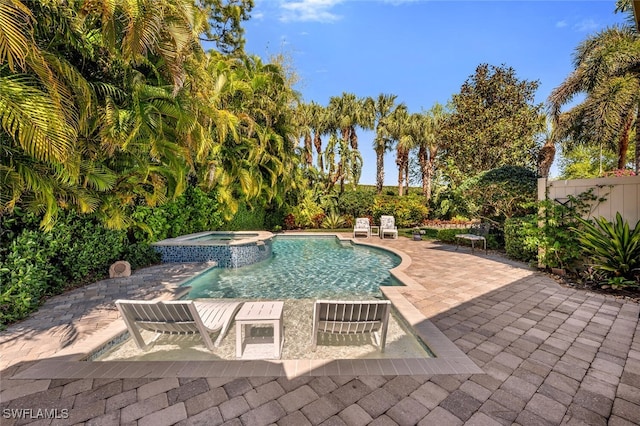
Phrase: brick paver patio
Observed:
(549, 355)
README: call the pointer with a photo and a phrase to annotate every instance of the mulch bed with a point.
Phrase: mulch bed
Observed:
(632, 294)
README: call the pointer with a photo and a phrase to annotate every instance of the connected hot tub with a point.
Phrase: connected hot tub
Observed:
(227, 249)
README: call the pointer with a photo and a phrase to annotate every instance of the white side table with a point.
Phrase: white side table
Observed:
(251, 346)
(377, 230)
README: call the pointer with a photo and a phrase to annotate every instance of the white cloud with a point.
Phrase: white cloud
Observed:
(259, 16)
(561, 24)
(309, 10)
(586, 25)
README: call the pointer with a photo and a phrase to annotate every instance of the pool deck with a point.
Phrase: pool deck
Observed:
(546, 355)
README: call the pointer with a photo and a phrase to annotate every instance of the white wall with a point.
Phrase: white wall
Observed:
(622, 195)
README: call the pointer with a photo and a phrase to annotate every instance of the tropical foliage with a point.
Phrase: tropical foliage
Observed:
(606, 72)
(120, 106)
(501, 193)
(494, 122)
(612, 247)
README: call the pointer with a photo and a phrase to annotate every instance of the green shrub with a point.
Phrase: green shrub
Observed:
(449, 235)
(35, 264)
(559, 245)
(306, 211)
(246, 219)
(612, 247)
(409, 211)
(358, 203)
(194, 211)
(333, 220)
(140, 255)
(501, 193)
(274, 218)
(520, 238)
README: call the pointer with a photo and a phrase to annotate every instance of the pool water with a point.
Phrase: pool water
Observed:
(303, 268)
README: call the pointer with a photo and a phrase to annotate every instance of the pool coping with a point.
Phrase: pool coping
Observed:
(449, 359)
(254, 237)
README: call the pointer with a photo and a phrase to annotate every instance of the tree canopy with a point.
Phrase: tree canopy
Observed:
(109, 104)
(494, 122)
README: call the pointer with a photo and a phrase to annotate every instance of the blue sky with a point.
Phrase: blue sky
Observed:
(422, 51)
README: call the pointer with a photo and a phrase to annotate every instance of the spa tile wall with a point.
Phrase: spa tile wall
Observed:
(227, 256)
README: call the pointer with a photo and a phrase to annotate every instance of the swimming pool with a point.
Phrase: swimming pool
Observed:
(303, 268)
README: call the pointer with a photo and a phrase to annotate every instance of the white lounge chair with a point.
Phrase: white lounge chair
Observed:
(351, 317)
(362, 226)
(178, 317)
(388, 226)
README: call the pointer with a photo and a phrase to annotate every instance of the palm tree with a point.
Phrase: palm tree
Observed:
(427, 131)
(319, 123)
(34, 107)
(547, 152)
(395, 128)
(382, 107)
(303, 121)
(607, 71)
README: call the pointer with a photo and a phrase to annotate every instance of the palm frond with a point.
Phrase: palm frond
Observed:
(27, 116)
(15, 30)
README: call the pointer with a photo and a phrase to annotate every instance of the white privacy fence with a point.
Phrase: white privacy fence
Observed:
(622, 195)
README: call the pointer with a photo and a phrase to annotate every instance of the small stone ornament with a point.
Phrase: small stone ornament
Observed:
(119, 269)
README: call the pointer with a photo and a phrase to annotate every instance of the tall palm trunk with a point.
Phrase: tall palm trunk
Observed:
(406, 173)
(379, 168)
(317, 142)
(638, 141)
(426, 159)
(346, 134)
(401, 159)
(545, 157)
(353, 138)
(308, 154)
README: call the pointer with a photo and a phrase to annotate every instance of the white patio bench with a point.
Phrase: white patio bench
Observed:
(476, 233)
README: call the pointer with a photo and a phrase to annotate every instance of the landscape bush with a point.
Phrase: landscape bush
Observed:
(358, 203)
(194, 211)
(613, 248)
(557, 238)
(501, 193)
(35, 264)
(409, 211)
(246, 219)
(520, 235)
(449, 235)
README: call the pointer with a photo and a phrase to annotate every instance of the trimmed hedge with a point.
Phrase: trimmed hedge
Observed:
(409, 211)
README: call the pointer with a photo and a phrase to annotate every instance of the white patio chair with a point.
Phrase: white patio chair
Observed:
(351, 317)
(388, 226)
(178, 317)
(362, 226)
